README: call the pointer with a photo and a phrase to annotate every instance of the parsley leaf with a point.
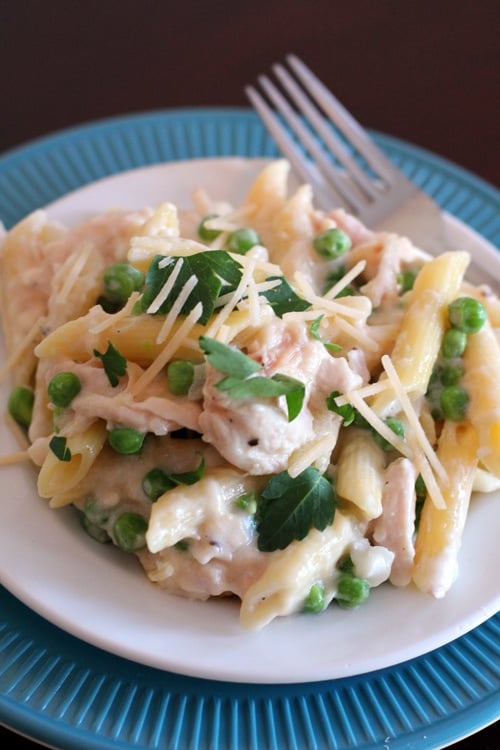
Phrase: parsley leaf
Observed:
(314, 331)
(291, 507)
(228, 360)
(260, 387)
(217, 273)
(238, 367)
(283, 299)
(347, 412)
(58, 446)
(115, 365)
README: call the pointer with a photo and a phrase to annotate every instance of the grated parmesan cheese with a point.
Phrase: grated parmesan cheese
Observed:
(176, 309)
(167, 353)
(112, 319)
(344, 282)
(166, 288)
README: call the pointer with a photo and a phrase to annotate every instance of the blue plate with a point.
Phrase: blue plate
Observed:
(65, 693)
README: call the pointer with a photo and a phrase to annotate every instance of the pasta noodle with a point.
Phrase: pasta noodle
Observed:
(249, 399)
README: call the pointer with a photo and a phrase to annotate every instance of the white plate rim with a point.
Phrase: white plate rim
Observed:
(180, 656)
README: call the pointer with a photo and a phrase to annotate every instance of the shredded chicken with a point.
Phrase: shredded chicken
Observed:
(395, 528)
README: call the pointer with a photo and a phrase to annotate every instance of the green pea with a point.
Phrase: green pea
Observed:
(406, 279)
(180, 376)
(63, 388)
(95, 511)
(467, 314)
(155, 483)
(120, 280)
(247, 502)
(94, 530)
(351, 590)
(452, 374)
(129, 531)
(435, 378)
(454, 402)
(206, 234)
(333, 243)
(454, 343)
(126, 440)
(315, 600)
(20, 405)
(346, 565)
(242, 240)
(396, 426)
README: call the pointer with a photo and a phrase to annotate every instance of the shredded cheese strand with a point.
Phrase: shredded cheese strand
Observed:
(413, 420)
(378, 425)
(347, 308)
(357, 334)
(424, 468)
(409, 449)
(345, 280)
(166, 289)
(165, 355)
(175, 309)
(114, 318)
(222, 315)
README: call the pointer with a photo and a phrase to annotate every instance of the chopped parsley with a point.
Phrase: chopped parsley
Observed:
(115, 365)
(283, 299)
(58, 446)
(346, 411)
(241, 381)
(217, 273)
(290, 507)
(228, 360)
(314, 331)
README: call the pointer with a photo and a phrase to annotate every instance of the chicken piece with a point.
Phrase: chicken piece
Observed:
(386, 255)
(395, 528)
(217, 554)
(351, 226)
(255, 434)
(158, 411)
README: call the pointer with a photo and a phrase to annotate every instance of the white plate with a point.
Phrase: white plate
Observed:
(102, 596)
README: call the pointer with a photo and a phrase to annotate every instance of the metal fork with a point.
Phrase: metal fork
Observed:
(345, 167)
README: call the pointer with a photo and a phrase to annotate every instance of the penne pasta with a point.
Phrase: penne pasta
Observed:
(238, 395)
(58, 477)
(419, 338)
(440, 530)
(285, 583)
(359, 475)
(482, 363)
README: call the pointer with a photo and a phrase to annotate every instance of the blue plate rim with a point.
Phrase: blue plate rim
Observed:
(22, 718)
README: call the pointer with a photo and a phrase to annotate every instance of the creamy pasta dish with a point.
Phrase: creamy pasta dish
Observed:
(263, 400)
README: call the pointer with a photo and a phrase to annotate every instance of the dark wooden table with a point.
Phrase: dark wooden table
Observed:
(426, 72)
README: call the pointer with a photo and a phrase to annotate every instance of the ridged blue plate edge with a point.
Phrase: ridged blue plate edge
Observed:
(362, 711)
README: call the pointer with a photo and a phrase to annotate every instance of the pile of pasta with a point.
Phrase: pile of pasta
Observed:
(251, 399)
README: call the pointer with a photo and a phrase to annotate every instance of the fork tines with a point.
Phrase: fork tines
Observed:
(344, 164)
